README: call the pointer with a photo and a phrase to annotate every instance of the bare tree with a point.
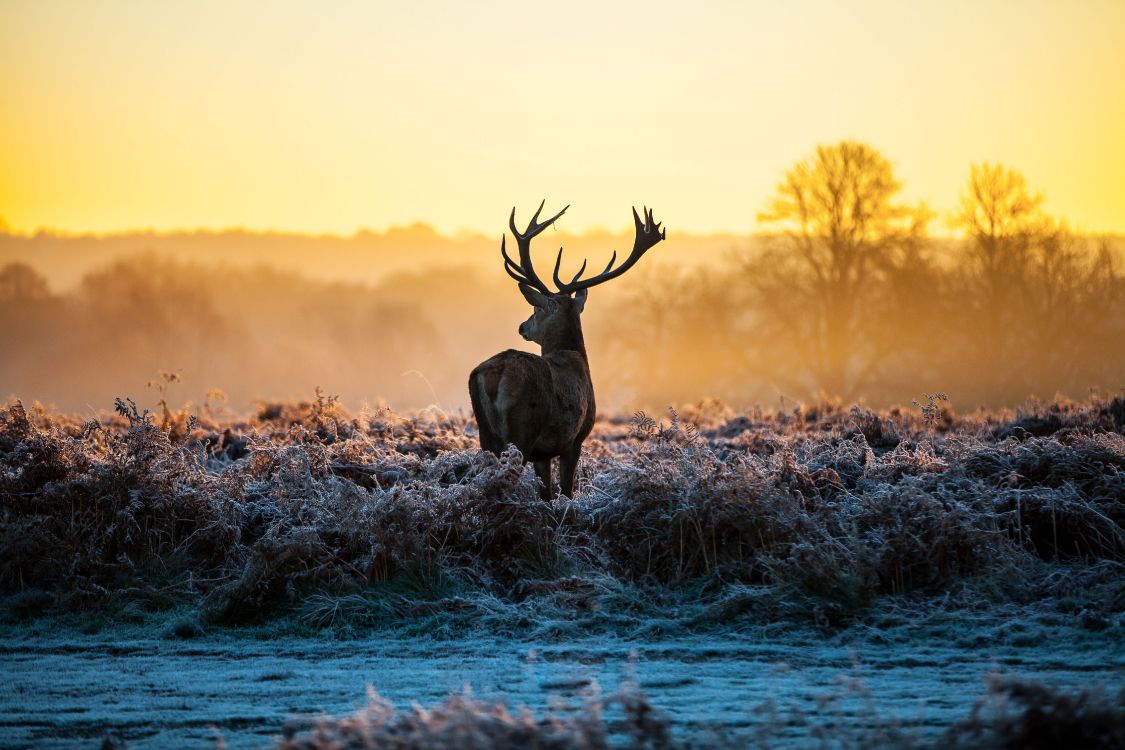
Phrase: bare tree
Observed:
(1002, 219)
(844, 238)
(1036, 300)
(20, 283)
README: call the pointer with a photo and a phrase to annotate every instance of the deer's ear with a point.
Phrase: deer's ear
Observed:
(580, 298)
(534, 297)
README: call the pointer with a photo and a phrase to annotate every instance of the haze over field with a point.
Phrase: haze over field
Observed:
(368, 159)
(403, 316)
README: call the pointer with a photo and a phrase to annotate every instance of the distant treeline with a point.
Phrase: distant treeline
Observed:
(849, 297)
(364, 257)
(852, 299)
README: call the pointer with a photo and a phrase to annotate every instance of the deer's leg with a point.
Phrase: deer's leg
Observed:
(568, 465)
(543, 469)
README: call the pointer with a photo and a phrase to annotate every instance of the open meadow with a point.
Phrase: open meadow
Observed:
(573, 376)
(763, 578)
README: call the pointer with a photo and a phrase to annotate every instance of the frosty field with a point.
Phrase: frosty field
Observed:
(156, 693)
(814, 575)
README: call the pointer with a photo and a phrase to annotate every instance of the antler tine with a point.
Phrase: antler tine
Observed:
(510, 266)
(612, 260)
(558, 262)
(649, 222)
(537, 212)
(648, 235)
(523, 242)
(524, 271)
(564, 287)
(534, 227)
(512, 222)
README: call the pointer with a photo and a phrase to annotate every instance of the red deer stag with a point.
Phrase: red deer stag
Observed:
(544, 405)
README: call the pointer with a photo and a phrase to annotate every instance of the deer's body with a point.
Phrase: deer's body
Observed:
(544, 404)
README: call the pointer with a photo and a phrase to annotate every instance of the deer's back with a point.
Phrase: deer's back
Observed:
(541, 404)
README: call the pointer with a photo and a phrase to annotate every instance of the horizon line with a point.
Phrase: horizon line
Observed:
(418, 226)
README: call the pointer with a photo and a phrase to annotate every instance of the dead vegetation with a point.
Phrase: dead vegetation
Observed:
(1012, 714)
(463, 722)
(1025, 714)
(362, 520)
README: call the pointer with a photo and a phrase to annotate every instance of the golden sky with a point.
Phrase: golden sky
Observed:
(328, 117)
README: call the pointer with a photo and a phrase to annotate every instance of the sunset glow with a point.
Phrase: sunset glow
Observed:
(121, 115)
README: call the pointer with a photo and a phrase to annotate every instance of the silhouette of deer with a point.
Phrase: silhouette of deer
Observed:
(544, 405)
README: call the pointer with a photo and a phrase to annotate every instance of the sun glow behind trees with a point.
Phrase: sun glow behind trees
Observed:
(121, 115)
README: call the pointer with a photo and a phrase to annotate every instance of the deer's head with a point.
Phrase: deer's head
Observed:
(556, 312)
(552, 314)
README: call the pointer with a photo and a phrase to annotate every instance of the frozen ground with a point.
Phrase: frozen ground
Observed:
(69, 690)
(852, 567)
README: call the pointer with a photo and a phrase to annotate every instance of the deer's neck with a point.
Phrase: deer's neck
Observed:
(565, 338)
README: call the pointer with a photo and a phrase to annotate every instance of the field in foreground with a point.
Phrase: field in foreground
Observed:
(924, 686)
(1000, 529)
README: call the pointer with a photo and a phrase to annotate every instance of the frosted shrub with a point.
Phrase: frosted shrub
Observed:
(306, 503)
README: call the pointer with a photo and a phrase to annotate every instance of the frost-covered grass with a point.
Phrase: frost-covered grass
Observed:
(775, 689)
(462, 722)
(1016, 714)
(708, 519)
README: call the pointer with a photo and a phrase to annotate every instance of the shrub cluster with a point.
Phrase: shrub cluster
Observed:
(304, 501)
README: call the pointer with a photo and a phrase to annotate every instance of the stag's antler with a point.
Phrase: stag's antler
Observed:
(524, 272)
(648, 234)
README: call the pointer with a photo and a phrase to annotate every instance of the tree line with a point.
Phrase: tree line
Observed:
(851, 294)
(852, 297)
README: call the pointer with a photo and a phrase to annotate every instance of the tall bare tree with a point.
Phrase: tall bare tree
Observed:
(1036, 300)
(822, 287)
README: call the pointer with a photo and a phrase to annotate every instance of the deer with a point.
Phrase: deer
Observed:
(544, 404)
